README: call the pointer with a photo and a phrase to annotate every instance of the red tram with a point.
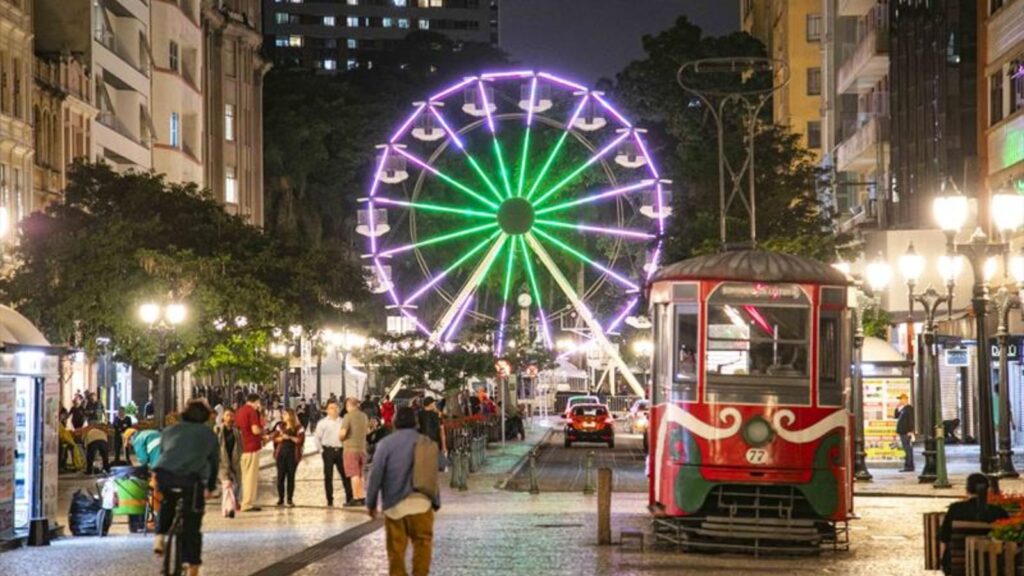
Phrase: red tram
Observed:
(750, 434)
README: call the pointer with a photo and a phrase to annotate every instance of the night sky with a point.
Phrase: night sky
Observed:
(588, 39)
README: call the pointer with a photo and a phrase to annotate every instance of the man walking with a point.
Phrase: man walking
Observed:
(250, 423)
(430, 424)
(354, 428)
(328, 433)
(408, 515)
(905, 428)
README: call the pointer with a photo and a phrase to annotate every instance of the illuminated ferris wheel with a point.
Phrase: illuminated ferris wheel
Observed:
(512, 194)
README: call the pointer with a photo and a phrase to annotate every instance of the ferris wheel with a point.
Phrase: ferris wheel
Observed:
(515, 197)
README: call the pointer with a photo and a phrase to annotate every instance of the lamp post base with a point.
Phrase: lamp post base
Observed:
(928, 473)
(941, 477)
(860, 467)
(1006, 468)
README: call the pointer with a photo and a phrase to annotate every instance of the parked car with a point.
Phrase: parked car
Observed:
(573, 401)
(637, 417)
(590, 423)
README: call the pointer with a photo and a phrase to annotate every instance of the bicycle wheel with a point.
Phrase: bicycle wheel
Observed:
(172, 554)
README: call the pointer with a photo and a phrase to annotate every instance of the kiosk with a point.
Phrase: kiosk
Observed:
(887, 374)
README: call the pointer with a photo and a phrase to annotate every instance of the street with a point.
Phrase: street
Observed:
(561, 469)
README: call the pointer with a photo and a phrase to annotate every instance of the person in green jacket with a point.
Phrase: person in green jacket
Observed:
(145, 444)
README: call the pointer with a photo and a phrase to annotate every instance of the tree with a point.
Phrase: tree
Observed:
(113, 241)
(790, 216)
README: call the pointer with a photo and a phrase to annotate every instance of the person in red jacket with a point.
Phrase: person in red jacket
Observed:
(387, 412)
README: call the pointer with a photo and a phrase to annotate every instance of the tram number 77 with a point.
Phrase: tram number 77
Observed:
(757, 456)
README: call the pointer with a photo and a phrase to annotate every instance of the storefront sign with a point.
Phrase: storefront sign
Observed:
(7, 450)
(1013, 349)
(956, 357)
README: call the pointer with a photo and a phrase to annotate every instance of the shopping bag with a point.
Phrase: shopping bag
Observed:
(228, 502)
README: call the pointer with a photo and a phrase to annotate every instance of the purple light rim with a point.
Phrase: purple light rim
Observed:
(486, 105)
(610, 108)
(654, 261)
(654, 172)
(622, 315)
(454, 326)
(610, 193)
(501, 329)
(563, 81)
(508, 74)
(533, 98)
(453, 88)
(447, 128)
(408, 121)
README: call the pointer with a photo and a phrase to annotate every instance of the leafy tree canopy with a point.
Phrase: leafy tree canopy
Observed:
(114, 241)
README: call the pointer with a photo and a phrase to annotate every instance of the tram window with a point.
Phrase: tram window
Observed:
(684, 360)
(830, 374)
(757, 345)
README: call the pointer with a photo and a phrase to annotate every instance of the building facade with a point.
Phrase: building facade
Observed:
(233, 71)
(62, 113)
(791, 31)
(332, 36)
(16, 145)
(1001, 107)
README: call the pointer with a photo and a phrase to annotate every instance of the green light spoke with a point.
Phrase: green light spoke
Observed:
(462, 147)
(451, 181)
(430, 207)
(522, 164)
(621, 279)
(459, 262)
(508, 270)
(501, 167)
(547, 164)
(483, 175)
(530, 274)
(579, 169)
(438, 239)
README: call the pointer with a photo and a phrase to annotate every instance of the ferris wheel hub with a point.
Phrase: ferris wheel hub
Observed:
(515, 216)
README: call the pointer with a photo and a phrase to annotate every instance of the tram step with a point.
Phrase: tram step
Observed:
(764, 534)
(774, 522)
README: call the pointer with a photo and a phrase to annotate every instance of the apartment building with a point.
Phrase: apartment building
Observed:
(1001, 104)
(791, 31)
(63, 113)
(16, 146)
(332, 36)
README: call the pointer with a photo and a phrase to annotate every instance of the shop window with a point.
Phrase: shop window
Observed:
(830, 371)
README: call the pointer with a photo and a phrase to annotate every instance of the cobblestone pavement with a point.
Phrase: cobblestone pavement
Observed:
(487, 530)
(561, 469)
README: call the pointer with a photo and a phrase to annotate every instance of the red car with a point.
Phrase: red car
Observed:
(589, 423)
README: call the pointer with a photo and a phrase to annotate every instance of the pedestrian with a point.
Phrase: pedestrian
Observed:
(93, 408)
(354, 428)
(187, 472)
(369, 407)
(387, 412)
(974, 509)
(229, 437)
(289, 438)
(431, 425)
(408, 515)
(96, 443)
(145, 444)
(121, 423)
(302, 413)
(328, 434)
(78, 412)
(904, 416)
(251, 423)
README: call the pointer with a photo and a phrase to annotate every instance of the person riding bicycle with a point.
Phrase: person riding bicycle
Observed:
(188, 464)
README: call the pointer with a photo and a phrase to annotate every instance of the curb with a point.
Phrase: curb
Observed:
(501, 484)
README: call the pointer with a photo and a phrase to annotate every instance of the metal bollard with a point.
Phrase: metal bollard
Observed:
(474, 463)
(588, 474)
(534, 486)
(464, 477)
(453, 467)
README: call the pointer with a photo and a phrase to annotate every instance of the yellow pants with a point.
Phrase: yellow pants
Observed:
(417, 528)
(250, 479)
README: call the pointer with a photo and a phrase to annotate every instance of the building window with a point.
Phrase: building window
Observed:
(295, 41)
(400, 3)
(330, 64)
(229, 58)
(230, 186)
(328, 20)
(1016, 73)
(281, 41)
(281, 17)
(353, 2)
(175, 140)
(424, 24)
(814, 27)
(995, 98)
(229, 122)
(351, 64)
(814, 134)
(403, 22)
(386, 22)
(352, 43)
(172, 56)
(19, 197)
(436, 3)
(814, 81)
(352, 22)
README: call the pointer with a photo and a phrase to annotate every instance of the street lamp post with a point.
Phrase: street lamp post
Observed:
(912, 265)
(1005, 301)
(950, 210)
(346, 342)
(162, 319)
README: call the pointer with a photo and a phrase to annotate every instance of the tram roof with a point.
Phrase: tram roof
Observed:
(752, 265)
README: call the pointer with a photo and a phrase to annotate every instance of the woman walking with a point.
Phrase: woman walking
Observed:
(289, 438)
(230, 472)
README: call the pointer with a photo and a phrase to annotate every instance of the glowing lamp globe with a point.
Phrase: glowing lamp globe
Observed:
(950, 211)
(878, 274)
(911, 265)
(1007, 211)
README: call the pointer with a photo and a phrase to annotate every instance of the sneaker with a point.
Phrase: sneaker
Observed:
(280, 503)
(231, 514)
(330, 503)
(351, 504)
(291, 504)
(158, 545)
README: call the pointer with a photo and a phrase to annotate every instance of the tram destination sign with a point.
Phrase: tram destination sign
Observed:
(955, 357)
(761, 292)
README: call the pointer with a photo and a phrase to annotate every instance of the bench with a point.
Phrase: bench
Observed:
(962, 533)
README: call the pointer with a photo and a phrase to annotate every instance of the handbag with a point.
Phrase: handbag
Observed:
(442, 461)
(228, 502)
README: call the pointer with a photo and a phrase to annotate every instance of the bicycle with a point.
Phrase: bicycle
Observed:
(172, 543)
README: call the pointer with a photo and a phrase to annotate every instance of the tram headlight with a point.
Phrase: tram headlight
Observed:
(757, 432)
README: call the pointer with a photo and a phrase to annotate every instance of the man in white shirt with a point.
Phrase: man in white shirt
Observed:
(328, 433)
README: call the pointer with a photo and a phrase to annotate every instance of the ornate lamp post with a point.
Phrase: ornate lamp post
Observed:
(346, 342)
(162, 319)
(644, 349)
(911, 266)
(950, 211)
(878, 274)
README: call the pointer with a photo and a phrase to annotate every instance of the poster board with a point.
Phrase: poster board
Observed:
(881, 395)
(7, 450)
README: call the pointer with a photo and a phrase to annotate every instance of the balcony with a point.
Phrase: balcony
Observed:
(855, 7)
(869, 61)
(860, 152)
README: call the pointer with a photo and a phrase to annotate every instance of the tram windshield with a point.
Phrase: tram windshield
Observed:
(758, 339)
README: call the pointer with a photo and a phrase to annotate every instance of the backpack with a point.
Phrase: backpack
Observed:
(424, 467)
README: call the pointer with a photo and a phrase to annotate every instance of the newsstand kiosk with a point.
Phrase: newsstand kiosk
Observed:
(29, 407)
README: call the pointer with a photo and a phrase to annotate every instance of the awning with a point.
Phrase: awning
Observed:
(16, 330)
(878, 351)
